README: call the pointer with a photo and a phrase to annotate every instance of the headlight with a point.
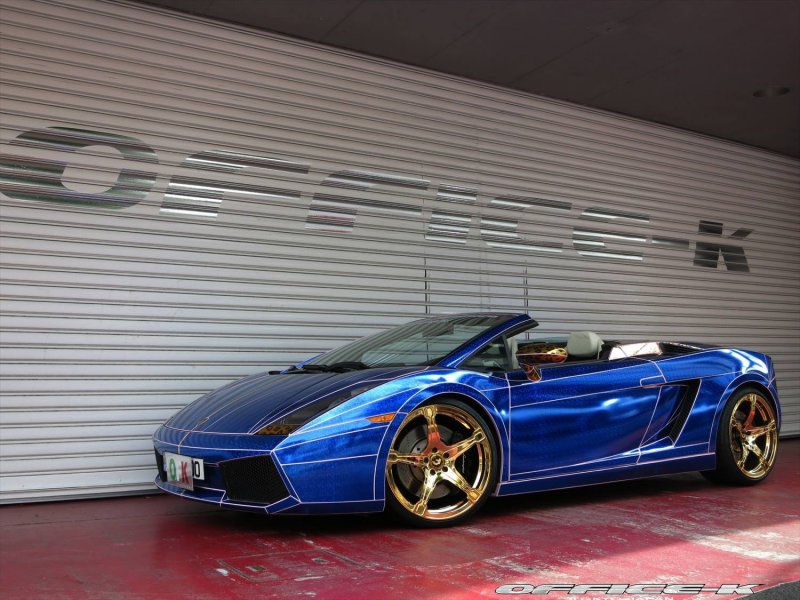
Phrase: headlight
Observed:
(288, 423)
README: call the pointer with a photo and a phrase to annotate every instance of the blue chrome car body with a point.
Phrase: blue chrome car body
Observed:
(585, 422)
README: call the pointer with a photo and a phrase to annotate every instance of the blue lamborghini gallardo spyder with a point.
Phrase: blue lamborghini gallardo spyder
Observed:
(432, 417)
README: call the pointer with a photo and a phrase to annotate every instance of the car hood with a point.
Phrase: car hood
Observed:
(261, 399)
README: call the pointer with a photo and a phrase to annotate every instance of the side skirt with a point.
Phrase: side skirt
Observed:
(699, 462)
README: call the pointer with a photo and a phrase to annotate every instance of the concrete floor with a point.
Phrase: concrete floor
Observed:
(678, 529)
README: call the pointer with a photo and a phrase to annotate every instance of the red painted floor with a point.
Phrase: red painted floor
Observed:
(678, 529)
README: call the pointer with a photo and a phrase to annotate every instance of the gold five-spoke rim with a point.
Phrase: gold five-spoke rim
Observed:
(440, 463)
(753, 435)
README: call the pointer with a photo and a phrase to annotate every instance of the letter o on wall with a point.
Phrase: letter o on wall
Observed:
(39, 179)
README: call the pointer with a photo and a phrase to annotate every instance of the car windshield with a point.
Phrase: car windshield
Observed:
(421, 342)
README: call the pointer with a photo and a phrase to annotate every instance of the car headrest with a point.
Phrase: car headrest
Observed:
(584, 344)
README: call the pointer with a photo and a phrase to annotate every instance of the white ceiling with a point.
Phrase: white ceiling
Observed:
(692, 64)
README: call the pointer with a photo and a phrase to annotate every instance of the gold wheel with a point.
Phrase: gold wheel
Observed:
(753, 435)
(441, 463)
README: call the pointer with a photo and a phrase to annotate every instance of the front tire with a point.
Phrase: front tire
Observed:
(747, 439)
(442, 465)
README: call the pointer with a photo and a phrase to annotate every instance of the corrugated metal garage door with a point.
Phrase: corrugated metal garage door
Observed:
(185, 203)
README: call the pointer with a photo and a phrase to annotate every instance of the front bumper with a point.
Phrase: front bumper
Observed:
(252, 473)
(240, 471)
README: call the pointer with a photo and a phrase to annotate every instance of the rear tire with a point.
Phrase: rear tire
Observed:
(747, 439)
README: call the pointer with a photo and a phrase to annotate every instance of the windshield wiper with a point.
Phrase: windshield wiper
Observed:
(339, 367)
(301, 369)
(346, 365)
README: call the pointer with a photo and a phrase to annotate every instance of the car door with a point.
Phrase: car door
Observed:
(580, 416)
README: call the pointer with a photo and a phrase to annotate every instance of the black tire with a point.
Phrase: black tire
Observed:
(747, 439)
(420, 466)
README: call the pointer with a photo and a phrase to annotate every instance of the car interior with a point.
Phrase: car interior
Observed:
(579, 346)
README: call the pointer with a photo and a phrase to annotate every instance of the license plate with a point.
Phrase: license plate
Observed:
(183, 470)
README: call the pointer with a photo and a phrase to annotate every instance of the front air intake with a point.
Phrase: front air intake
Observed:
(255, 479)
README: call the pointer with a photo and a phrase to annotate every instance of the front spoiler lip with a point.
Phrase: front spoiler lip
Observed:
(290, 506)
(218, 497)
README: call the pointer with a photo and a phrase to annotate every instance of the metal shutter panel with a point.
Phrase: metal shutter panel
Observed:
(270, 199)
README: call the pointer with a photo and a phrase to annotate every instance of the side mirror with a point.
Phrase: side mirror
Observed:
(532, 356)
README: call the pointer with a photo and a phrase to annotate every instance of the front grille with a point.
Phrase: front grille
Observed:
(162, 473)
(254, 479)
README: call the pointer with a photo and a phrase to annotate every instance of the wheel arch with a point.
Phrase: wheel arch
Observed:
(745, 381)
(765, 390)
(727, 467)
(482, 408)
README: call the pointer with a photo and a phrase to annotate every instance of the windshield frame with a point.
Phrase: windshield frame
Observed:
(504, 321)
(463, 354)
(521, 327)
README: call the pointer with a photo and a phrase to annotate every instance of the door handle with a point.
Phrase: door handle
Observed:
(652, 382)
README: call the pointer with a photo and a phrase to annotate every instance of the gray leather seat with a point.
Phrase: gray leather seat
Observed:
(584, 344)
